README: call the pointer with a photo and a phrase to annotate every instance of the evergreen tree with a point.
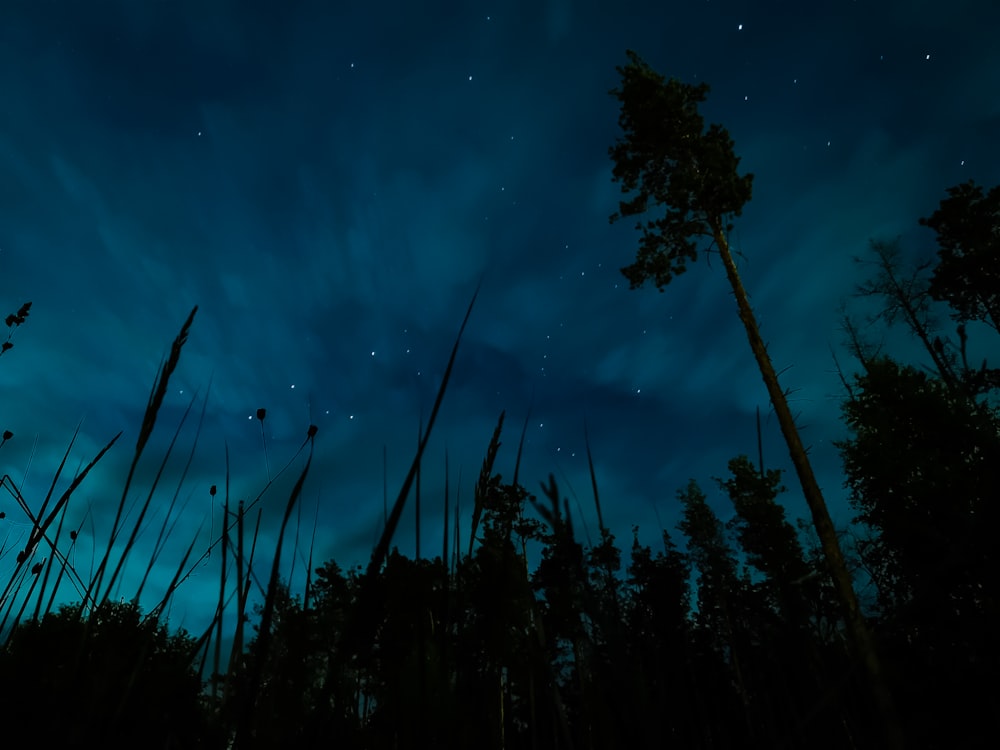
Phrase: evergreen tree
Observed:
(769, 541)
(967, 275)
(669, 162)
(923, 465)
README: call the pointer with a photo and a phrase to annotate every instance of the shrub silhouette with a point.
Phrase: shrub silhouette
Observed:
(118, 679)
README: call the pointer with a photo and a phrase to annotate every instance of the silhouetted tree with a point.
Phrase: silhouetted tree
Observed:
(304, 641)
(769, 541)
(905, 295)
(669, 696)
(117, 680)
(668, 161)
(923, 467)
(967, 275)
(921, 463)
(722, 615)
(791, 664)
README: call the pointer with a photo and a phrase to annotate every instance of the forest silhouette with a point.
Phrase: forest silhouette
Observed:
(749, 630)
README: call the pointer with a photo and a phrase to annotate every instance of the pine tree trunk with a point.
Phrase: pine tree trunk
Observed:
(863, 642)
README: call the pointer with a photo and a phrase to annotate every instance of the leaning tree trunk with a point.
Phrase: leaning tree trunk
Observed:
(861, 637)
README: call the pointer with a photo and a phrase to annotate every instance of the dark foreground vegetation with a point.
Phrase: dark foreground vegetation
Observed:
(733, 632)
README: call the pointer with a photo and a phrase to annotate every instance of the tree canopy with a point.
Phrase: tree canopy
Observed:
(665, 158)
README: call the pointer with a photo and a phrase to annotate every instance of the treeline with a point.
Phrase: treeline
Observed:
(728, 634)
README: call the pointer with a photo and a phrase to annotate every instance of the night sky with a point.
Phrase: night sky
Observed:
(329, 182)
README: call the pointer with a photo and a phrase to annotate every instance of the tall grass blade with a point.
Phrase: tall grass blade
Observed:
(309, 565)
(482, 486)
(52, 486)
(219, 540)
(237, 648)
(48, 567)
(593, 481)
(176, 580)
(456, 553)
(444, 546)
(166, 528)
(65, 568)
(39, 528)
(357, 624)
(222, 594)
(416, 489)
(382, 548)
(520, 448)
(137, 526)
(35, 574)
(156, 396)
(242, 738)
